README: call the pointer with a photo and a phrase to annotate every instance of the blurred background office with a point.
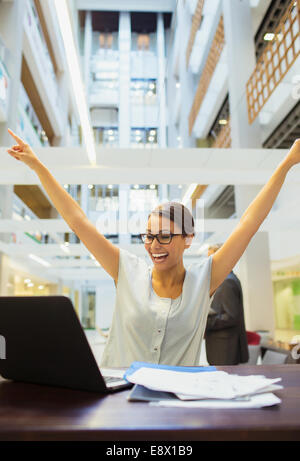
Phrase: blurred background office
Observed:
(214, 80)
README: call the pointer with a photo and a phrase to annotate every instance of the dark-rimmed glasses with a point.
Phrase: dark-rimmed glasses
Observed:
(163, 239)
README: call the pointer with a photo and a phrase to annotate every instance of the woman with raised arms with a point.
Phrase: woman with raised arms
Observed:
(160, 310)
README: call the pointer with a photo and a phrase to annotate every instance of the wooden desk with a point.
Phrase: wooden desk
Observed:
(32, 412)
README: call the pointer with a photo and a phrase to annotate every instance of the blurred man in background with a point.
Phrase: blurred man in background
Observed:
(225, 335)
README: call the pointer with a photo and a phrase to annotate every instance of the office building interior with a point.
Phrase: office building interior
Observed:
(193, 101)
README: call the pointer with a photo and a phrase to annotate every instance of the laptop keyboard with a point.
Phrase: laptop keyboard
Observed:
(111, 379)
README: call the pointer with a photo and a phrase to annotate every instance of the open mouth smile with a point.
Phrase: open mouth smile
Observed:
(159, 257)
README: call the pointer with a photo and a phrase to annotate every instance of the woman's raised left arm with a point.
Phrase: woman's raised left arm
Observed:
(228, 255)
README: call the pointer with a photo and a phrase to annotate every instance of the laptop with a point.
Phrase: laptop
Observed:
(45, 344)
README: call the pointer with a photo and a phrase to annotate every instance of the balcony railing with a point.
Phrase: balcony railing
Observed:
(223, 140)
(275, 62)
(210, 66)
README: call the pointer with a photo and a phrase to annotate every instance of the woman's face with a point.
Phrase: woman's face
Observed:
(165, 256)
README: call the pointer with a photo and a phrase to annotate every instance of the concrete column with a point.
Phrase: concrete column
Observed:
(88, 35)
(163, 193)
(124, 236)
(161, 88)
(4, 274)
(254, 271)
(124, 78)
(124, 116)
(186, 78)
(85, 198)
(11, 29)
(173, 92)
(241, 63)
(254, 266)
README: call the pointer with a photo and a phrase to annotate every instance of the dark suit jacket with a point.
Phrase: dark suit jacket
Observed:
(226, 338)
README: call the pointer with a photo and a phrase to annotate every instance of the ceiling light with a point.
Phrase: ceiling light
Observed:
(65, 249)
(110, 132)
(41, 287)
(152, 186)
(223, 122)
(27, 281)
(269, 37)
(63, 16)
(66, 186)
(30, 285)
(151, 138)
(151, 86)
(152, 132)
(136, 186)
(39, 260)
(90, 186)
(110, 186)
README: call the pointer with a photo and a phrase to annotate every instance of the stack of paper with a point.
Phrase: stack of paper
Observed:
(209, 389)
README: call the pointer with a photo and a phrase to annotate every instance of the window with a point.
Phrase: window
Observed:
(143, 137)
(143, 42)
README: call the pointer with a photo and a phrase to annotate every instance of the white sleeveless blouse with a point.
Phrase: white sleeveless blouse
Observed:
(148, 328)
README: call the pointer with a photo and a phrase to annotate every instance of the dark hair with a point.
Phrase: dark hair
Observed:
(177, 213)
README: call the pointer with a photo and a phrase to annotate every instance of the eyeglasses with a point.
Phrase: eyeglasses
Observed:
(163, 239)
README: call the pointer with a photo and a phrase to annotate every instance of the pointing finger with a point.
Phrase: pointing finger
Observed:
(19, 140)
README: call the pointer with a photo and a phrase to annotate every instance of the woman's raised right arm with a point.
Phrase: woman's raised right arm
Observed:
(102, 249)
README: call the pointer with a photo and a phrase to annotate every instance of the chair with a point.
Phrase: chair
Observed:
(254, 354)
(253, 340)
(274, 358)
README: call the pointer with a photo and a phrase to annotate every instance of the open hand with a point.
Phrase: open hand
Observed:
(23, 152)
(294, 153)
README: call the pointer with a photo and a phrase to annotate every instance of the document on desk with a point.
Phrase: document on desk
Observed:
(202, 385)
(255, 401)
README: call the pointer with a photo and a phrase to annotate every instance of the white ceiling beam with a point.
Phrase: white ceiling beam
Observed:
(153, 6)
(158, 166)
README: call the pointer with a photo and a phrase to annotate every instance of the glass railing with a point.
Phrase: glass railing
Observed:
(29, 126)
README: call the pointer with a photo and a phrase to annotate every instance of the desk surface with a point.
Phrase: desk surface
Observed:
(32, 412)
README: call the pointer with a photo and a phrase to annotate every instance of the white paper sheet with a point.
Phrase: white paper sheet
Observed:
(202, 385)
(255, 401)
(271, 388)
